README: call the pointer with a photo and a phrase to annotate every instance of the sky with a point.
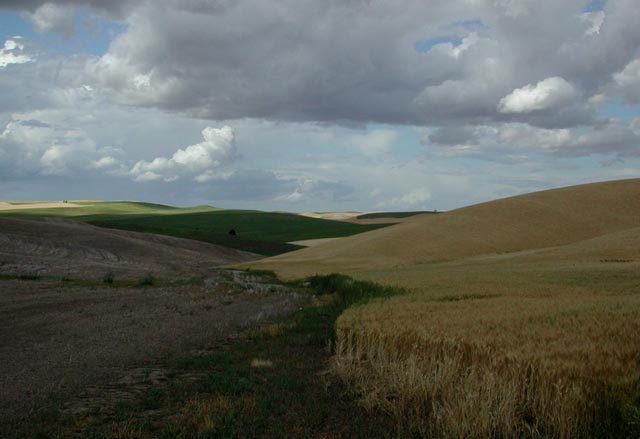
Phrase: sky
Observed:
(300, 105)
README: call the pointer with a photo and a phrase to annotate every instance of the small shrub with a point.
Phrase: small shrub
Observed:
(108, 278)
(146, 281)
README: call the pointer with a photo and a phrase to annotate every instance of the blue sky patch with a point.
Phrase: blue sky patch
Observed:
(12, 24)
(426, 45)
(470, 24)
(93, 37)
(618, 109)
(594, 6)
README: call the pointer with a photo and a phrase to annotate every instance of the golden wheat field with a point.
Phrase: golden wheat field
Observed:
(522, 317)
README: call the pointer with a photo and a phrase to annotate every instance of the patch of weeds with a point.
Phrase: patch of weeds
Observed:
(224, 426)
(264, 275)
(227, 382)
(152, 398)
(270, 330)
(349, 291)
(465, 297)
(146, 281)
(221, 359)
(108, 278)
(29, 276)
(123, 410)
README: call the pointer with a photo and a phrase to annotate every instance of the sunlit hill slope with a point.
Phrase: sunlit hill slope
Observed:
(537, 220)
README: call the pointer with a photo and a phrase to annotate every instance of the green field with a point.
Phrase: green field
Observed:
(265, 233)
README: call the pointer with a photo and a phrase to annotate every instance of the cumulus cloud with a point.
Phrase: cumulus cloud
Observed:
(56, 18)
(594, 21)
(41, 149)
(549, 93)
(202, 161)
(517, 142)
(628, 82)
(316, 191)
(349, 63)
(115, 8)
(106, 162)
(374, 142)
(13, 53)
(343, 62)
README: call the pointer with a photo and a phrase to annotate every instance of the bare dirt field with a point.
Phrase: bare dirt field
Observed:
(83, 310)
(65, 248)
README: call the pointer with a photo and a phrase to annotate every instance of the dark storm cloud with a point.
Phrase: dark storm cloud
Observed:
(447, 136)
(356, 61)
(604, 138)
(113, 7)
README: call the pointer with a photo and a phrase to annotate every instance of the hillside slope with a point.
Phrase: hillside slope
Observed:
(60, 247)
(537, 220)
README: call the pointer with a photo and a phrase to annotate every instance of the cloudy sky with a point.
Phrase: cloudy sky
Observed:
(316, 105)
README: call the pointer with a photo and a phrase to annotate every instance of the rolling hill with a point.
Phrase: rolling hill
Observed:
(517, 318)
(532, 221)
(264, 233)
(59, 247)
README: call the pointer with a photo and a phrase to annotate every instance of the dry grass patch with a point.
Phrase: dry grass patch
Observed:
(273, 329)
(552, 365)
(523, 319)
(261, 363)
(206, 413)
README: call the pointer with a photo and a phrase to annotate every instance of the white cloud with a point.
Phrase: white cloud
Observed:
(455, 51)
(374, 142)
(54, 18)
(515, 8)
(594, 20)
(293, 197)
(33, 147)
(214, 174)
(518, 142)
(549, 93)
(198, 161)
(13, 53)
(628, 82)
(104, 163)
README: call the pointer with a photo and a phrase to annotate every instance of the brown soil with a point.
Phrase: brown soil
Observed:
(68, 339)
